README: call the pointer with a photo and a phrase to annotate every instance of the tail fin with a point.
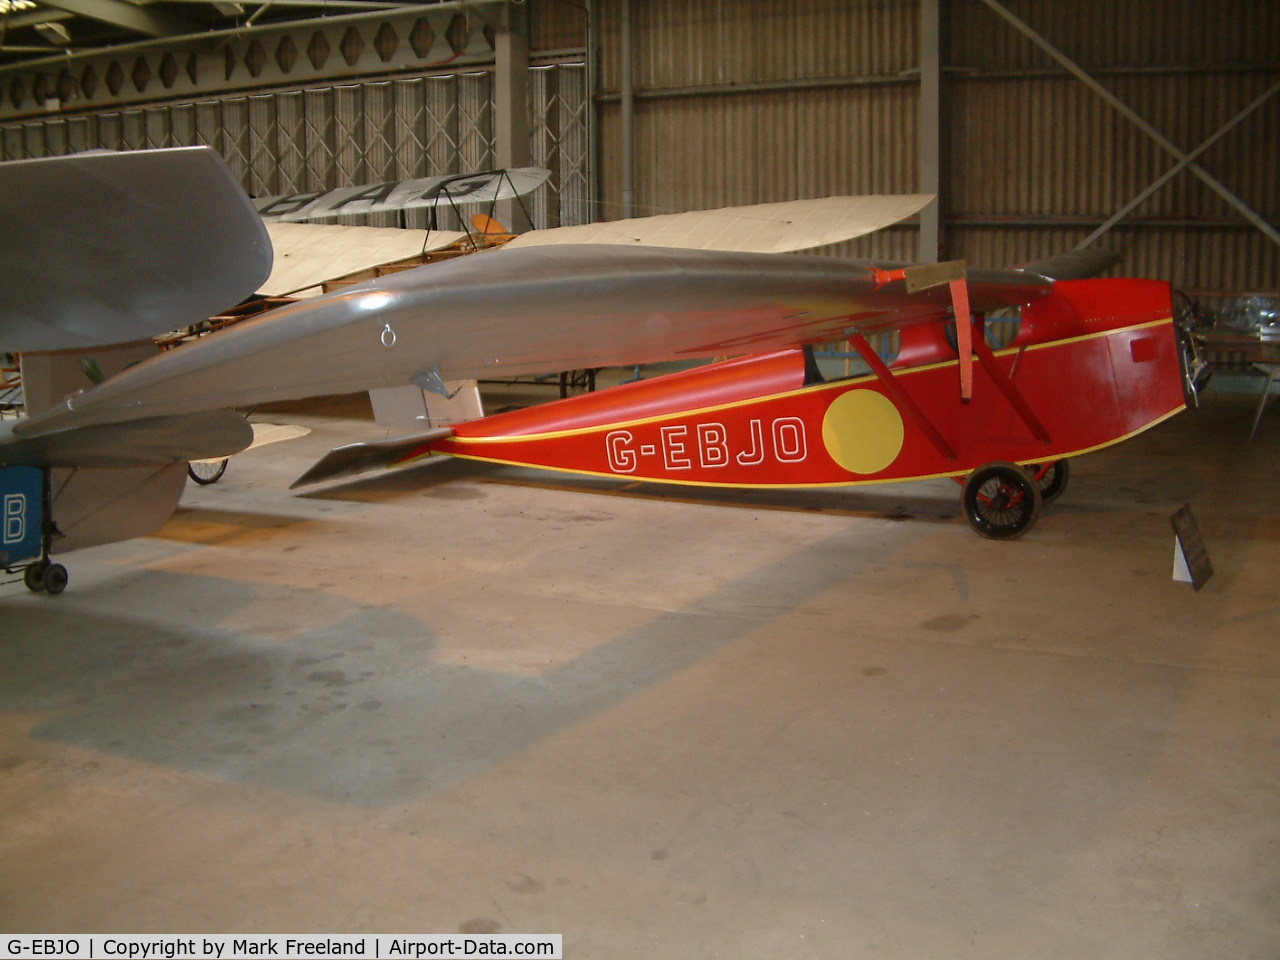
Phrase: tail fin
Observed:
(490, 228)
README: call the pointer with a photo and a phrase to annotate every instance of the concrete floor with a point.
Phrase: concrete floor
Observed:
(464, 698)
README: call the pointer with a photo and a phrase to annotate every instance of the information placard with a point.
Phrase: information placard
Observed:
(1190, 558)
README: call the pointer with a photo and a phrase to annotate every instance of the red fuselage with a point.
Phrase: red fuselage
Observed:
(1094, 363)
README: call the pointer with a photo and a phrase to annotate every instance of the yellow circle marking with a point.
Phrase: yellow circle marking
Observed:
(863, 431)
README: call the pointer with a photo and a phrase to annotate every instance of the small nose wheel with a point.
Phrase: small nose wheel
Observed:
(55, 578)
(49, 577)
(1001, 500)
(33, 577)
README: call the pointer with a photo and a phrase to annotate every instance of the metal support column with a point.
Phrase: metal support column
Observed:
(593, 110)
(628, 114)
(511, 106)
(930, 133)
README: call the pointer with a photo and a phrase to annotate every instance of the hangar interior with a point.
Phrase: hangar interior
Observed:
(663, 720)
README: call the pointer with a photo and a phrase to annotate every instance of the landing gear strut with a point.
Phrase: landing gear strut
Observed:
(31, 510)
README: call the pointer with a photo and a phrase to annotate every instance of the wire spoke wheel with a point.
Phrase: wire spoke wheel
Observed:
(206, 471)
(574, 382)
(1001, 500)
(1052, 480)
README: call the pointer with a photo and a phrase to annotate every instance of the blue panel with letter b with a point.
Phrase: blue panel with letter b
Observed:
(21, 513)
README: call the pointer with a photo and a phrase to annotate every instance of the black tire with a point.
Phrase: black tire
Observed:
(205, 472)
(1001, 501)
(33, 576)
(1054, 482)
(574, 382)
(55, 578)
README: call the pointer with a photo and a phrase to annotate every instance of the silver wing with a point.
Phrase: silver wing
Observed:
(107, 247)
(516, 312)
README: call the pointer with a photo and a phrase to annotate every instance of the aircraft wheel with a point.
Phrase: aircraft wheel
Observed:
(1001, 500)
(55, 578)
(1054, 482)
(33, 577)
(204, 472)
(574, 382)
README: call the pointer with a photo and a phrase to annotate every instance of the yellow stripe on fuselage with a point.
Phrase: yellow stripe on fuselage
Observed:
(638, 478)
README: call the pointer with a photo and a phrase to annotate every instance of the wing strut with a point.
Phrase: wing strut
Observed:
(953, 273)
(1006, 387)
(900, 396)
(967, 345)
(964, 335)
(923, 276)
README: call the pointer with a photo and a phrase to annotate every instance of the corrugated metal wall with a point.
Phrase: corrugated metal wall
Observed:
(1112, 34)
(1042, 151)
(557, 26)
(752, 101)
(350, 133)
(739, 101)
(681, 43)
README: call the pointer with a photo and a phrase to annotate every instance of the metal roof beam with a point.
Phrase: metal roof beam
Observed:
(198, 32)
(117, 13)
(232, 5)
(31, 18)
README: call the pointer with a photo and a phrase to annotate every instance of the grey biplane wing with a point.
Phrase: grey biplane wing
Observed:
(102, 252)
(109, 247)
(487, 187)
(1074, 264)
